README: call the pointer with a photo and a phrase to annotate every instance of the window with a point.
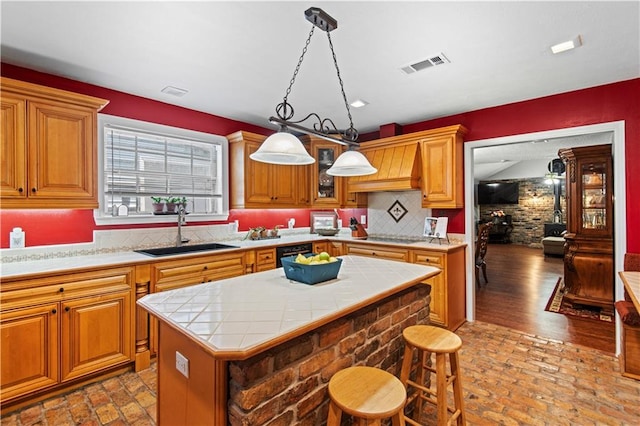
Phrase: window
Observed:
(140, 160)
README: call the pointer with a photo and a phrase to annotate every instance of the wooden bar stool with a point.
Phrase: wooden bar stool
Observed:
(427, 339)
(366, 393)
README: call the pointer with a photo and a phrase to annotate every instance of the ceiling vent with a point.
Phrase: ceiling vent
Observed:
(439, 59)
(174, 91)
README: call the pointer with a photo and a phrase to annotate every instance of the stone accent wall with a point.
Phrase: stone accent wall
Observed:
(288, 384)
(534, 209)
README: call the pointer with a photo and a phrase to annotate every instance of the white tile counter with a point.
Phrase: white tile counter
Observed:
(239, 317)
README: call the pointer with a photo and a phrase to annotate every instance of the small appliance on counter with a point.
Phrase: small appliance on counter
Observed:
(357, 230)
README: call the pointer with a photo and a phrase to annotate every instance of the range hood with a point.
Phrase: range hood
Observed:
(399, 167)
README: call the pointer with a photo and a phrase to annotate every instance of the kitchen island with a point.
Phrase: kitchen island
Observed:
(260, 347)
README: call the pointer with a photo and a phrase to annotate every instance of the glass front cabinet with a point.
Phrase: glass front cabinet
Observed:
(326, 190)
(588, 257)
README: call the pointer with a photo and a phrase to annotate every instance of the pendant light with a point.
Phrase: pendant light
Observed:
(284, 148)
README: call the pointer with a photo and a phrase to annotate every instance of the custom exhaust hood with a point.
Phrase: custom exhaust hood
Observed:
(399, 167)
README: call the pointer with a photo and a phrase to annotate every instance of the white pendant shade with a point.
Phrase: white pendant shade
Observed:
(351, 163)
(282, 148)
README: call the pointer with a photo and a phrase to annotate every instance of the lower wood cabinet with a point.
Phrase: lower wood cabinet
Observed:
(57, 329)
(447, 308)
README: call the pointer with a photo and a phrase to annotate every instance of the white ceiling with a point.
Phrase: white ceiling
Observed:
(236, 58)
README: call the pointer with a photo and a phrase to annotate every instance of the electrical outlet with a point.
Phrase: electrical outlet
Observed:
(182, 364)
(363, 219)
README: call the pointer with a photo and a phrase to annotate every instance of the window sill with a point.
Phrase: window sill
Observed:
(151, 219)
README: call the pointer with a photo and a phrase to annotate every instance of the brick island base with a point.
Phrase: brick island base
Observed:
(286, 384)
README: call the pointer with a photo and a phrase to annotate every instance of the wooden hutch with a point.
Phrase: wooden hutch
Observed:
(588, 255)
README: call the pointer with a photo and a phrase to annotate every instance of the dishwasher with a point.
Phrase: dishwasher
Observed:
(292, 250)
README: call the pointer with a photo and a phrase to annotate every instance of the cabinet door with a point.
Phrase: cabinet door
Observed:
(327, 190)
(257, 178)
(96, 332)
(442, 172)
(29, 347)
(62, 157)
(283, 184)
(595, 205)
(438, 306)
(13, 156)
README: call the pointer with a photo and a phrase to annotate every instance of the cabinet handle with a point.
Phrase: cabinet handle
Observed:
(33, 190)
(205, 268)
(61, 290)
(66, 309)
(53, 311)
(20, 190)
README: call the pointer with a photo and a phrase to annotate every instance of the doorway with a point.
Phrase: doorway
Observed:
(620, 244)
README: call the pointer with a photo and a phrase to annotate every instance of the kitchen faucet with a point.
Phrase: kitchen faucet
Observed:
(182, 216)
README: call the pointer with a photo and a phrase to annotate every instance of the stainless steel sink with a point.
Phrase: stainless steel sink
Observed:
(166, 251)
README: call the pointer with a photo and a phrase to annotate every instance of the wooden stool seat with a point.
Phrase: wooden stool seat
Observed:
(427, 339)
(432, 339)
(366, 393)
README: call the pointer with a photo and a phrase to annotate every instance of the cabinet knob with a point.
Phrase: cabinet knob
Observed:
(205, 267)
(33, 190)
(20, 190)
(61, 290)
(67, 309)
(53, 311)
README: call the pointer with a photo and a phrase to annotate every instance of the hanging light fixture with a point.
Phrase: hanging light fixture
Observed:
(284, 148)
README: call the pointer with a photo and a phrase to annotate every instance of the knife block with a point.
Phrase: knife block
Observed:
(358, 232)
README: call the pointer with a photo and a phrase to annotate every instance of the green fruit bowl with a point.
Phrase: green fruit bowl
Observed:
(310, 274)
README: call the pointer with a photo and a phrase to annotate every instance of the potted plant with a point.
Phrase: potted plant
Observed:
(183, 203)
(171, 204)
(158, 204)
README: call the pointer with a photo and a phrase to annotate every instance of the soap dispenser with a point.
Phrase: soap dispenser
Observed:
(16, 238)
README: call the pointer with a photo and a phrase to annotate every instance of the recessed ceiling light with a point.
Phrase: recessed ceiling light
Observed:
(175, 91)
(567, 45)
(359, 103)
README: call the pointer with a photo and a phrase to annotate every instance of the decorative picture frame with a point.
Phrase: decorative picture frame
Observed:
(323, 220)
(436, 227)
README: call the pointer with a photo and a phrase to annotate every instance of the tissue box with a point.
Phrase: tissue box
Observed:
(310, 274)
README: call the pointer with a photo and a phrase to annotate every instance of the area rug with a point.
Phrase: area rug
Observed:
(558, 305)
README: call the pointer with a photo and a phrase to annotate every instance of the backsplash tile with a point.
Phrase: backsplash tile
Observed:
(381, 222)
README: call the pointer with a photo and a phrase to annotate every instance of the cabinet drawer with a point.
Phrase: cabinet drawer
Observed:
(381, 252)
(177, 273)
(35, 291)
(429, 258)
(265, 259)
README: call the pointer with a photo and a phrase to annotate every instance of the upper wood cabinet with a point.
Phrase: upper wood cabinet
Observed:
(48, 147)
(326, 190)
(430, 160)
(260, 185)
(442, 167)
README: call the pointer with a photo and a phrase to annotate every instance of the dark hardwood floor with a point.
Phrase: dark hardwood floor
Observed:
(521, 280)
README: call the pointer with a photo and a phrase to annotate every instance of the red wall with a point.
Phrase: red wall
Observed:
(613, 102)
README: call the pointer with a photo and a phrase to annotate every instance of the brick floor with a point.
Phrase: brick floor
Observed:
(509, 378)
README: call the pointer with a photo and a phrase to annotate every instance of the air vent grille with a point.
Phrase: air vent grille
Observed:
(439, 59)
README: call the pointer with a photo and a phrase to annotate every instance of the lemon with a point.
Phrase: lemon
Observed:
(332, 259)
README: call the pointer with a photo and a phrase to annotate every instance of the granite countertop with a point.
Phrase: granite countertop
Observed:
(63, 264)
(239, 317)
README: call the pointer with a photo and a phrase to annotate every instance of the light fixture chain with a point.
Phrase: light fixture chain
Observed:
(344, 96)
(295, 73)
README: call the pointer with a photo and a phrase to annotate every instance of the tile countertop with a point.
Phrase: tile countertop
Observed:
(63, 264)
(239, 317)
